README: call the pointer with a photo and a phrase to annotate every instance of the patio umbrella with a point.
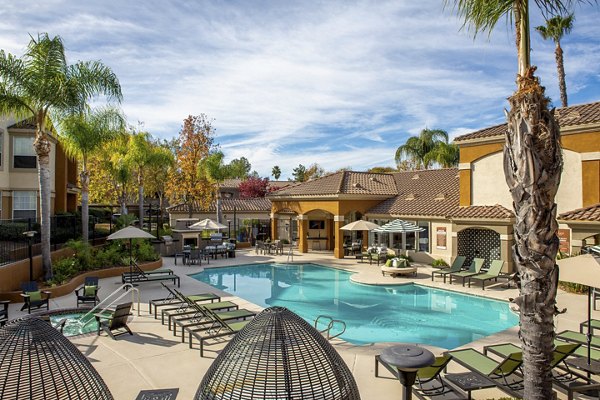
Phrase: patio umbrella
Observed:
(584, 270)
(360, 225)
(208, 224)
(399, 226)
(130, 233)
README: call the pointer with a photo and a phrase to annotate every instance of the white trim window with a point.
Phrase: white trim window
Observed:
(23, 152)
(24, 204)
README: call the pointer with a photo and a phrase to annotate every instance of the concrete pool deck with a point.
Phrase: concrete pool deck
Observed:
(154, 359)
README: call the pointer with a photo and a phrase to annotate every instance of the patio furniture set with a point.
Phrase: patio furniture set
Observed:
(474, 272)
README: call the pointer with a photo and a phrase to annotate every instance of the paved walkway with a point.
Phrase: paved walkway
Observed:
(154, 358)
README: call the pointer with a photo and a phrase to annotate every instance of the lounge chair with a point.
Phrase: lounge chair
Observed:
(203, 321)
(4, 312)
(456, 266)
(594, 324)
(138, 275)
(115, 321)
(185, 311)
(88, 293)
(173, 300)
(564, 378)
(34, 297)
(492, 273)
(576, 337)
(425, 376)
(217, 329)
(474, 269)
(502, 373)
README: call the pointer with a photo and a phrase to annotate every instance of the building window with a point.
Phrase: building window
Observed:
(25, 204)
(424, 236)
(23, 152)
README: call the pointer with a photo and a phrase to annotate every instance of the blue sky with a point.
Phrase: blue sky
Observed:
(339, 83)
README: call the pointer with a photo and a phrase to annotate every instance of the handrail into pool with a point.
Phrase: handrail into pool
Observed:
(330, 326)
(128, 288)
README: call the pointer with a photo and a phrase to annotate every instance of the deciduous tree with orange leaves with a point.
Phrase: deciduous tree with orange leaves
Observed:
(193, 145)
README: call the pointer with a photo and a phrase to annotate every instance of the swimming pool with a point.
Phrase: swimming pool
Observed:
(76, 321)
(401, 313)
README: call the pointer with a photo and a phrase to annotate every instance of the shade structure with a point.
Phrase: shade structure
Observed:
(38, 362)
(130, 232)
(279, 356)
(208, 224)
(360, 225)
(584, 270)
(399, 225)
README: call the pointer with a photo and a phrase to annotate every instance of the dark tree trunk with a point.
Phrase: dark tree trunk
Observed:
(532, 166)
(560, 67)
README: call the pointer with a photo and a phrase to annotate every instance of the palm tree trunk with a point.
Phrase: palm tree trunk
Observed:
(560, 67)
(532, 166)
(42, 149)
(218, 205)
(84, 176)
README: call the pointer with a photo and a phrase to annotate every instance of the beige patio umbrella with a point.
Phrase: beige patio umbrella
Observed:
(130, 233)
(360, 225)
(208, 224)
(584, 270)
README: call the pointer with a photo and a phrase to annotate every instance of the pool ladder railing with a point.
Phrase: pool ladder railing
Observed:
(290, 255)
(128, 287)
(330, 324)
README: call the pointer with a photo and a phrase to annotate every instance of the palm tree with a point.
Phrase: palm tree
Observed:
(532, 167)
(555, 28)
(41, 83)
(81, 135)
(444, 154)
(217, 171)
(417, 148)
(276, 172)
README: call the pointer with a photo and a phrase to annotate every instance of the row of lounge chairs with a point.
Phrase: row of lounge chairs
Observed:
(504, 369)
(474, 273)
(202, 317)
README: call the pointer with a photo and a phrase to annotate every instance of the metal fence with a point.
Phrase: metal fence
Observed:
(14, 243)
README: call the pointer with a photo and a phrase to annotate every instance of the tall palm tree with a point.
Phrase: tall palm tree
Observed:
(417, 148)
(143, 154)
(555, 28)
(217, 171)
(532, 167)
(81, 135)
(276, 172)
(39, 83)
(444, 154)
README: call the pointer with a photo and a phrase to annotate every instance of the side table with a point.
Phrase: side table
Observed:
(469, 381)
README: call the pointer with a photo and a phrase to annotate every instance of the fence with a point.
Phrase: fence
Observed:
(14, 244)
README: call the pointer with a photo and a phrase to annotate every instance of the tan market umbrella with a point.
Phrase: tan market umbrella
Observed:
(208, 224)
(584, 270)
(360, 225)
(130, 233)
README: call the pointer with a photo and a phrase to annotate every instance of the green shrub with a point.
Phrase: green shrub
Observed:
(125, 220)
(144, 251)
(285, 241)
(64, 269)
(439, 263)
(83, 253)
(109, 255)
(572, 287)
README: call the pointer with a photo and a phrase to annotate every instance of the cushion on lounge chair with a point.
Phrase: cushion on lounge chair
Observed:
(388, 263)
(89, 290)
(34, 296)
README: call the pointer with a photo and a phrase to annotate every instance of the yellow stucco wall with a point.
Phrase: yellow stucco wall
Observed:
(590, 178)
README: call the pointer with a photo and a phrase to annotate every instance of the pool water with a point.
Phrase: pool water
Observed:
(400, 313)
(77, 323)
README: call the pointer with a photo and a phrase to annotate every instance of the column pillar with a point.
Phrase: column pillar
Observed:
(274, 227)
(338, 250)
(302, 232)
(506, 242)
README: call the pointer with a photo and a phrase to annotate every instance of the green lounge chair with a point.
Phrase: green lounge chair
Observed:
(173, 300)
(502, 373)
(576, 337)
(185, 311)
(218, 328)
(456, 266)
(88, 293)
(580, 351)
(424, 376)
(474, 269)
(594, 324)
(33, 297)
(492, 273)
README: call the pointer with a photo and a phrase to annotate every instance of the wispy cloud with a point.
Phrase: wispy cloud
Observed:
(338, 83)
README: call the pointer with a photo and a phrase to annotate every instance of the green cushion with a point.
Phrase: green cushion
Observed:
(89, 290)
(34, 296)
(388, 263)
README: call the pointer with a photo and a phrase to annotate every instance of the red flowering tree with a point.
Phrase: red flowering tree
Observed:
(254, 187)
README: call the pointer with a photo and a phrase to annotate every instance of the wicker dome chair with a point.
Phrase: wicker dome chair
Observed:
(278, 355)
(55, 369)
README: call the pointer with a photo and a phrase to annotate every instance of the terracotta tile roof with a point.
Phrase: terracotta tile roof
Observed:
(590, 213)
(344, 182)
(492, 212)
(427, 192)
(582, 114)
(231, 183)
(259, 204)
